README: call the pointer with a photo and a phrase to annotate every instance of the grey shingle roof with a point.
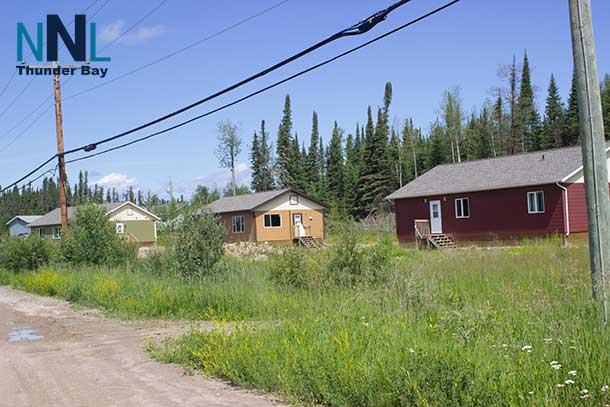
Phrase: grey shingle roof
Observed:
(54, 217)
(244, 202)
(536, 168)
(26, 218)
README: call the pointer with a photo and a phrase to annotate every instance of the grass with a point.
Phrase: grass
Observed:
(505, 327)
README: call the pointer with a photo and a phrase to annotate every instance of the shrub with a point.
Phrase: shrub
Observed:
(92, 239)
(199, 244)
(160, 263)
(46, 283)
(346, 265)
(26, 254)
(294, 268)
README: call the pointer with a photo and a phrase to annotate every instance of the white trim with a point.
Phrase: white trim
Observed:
(155, 217)
(462, 205)
(537, 211)
(271, 223)
(566, 210)
(119, 228)
(41, 233)
(56, 236)
(579, 169)
(440, 216)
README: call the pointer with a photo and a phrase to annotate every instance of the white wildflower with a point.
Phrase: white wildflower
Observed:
(556, 367)
(572, 372)
(504, 345)
(548, 340)
(530, 392)
(411, 350)
(605, 388)
(584, 396)
(554, 363)
(569, 381)
(527, 348)
(584, 391)
(560, 385)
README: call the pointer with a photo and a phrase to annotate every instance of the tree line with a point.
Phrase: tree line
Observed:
(354, 172)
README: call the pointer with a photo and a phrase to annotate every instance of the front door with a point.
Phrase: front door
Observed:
(297, 221)
(436, 223)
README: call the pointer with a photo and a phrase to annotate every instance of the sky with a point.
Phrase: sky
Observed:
(463, 47)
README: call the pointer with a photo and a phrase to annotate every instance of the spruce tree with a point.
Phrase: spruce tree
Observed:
(395, 161)
(570, 134)
(283, 147)
(265, 161)
(314, 163)
(255, 157)
(528, 118)
(485, 144)
(351, 172)
(296, 168)
(335, 170)
(553, 118)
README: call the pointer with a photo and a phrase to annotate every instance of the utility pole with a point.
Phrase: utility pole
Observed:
(63, 205)
(593, 147)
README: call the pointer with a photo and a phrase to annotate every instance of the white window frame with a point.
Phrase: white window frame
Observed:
(234, 223)
(270, 222)
(119, 228)
(536, 209)
(41, 233)
(294, 199)
(56, 232)
(459, 203)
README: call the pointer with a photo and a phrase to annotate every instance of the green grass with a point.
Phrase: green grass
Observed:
(456, 328)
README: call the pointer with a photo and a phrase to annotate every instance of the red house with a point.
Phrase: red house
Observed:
(534, 193)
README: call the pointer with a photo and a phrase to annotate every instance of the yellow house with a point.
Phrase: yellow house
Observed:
(284, 215)
(135, 223)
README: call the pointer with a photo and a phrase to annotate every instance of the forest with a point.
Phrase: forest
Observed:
(355, 170)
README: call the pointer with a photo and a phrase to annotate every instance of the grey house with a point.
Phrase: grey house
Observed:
(19, 226)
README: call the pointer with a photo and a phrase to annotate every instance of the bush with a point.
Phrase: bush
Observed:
(160, 263)
(294, 268)
(199, 244)
(26, 254)
(92, 239)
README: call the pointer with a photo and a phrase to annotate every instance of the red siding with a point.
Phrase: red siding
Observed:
(492, 213)
(577, 208)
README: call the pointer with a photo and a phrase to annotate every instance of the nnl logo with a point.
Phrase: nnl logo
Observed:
(55, 29)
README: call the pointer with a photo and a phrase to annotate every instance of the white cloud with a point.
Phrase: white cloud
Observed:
(223, 177)
(112, 32)
(117, 180)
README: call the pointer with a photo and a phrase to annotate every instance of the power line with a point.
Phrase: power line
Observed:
(32, 123)
(326, 62)
(358, 28)
(174, 53)
(274, 85)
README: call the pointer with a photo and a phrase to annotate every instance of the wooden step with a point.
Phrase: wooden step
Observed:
(441, 241)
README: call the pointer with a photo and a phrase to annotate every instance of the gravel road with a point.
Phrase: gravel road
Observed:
(54, 354)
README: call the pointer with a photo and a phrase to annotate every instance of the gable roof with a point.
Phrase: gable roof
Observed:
(535, 168)
(25, 218)
(54, 217)
(250, 202)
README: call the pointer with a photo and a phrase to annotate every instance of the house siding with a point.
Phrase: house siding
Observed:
(18, 228)
(496, 213)
(284, 233)
(249, 234)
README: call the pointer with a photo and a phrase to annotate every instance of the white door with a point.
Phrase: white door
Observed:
(297, 220)
(436, 223)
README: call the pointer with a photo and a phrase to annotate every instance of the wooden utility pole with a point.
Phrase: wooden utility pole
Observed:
(593, 147)
(63, 204)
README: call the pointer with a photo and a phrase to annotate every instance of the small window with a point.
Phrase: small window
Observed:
(294, 199)
(535, 202)
(41, 233)
(56, 232)
(462, 208)
(120, 228)
(239, 224)
(273, 220)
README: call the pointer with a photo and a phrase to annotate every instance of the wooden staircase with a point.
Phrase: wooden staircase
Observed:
(310, 242)
(441, 241)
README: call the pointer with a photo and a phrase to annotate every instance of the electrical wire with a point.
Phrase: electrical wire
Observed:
(328, 61)
(358, 28)
(274, 85)
(177, 52)
(29, 126)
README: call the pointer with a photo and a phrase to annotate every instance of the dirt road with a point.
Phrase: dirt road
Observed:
(52, 354)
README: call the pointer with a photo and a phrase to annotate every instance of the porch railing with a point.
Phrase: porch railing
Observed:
(296, 232)
(422, 231)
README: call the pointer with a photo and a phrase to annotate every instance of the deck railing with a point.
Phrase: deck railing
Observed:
(296, 233)
(422, 231)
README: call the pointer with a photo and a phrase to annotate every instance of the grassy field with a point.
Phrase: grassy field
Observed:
(499, 327)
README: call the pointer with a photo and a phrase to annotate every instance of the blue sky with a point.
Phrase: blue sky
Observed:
(464, 46)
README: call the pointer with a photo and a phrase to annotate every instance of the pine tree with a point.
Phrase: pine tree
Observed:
(296, 170)
(314, 164)
(570, 134)
(395, 162)
(265, 164)
(553, 118)
(322, 190)
(283, 146)
(485, 145)
(255, 166)
(437, 147)
(335, 170)
(351, 172)
(528, 118)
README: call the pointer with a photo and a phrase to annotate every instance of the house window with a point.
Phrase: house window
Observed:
(462, 208)
(273, 220)
(56, 232)
(535, 202)
(41, 233)
(294, 199)
(120, 228)
(239, 224)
